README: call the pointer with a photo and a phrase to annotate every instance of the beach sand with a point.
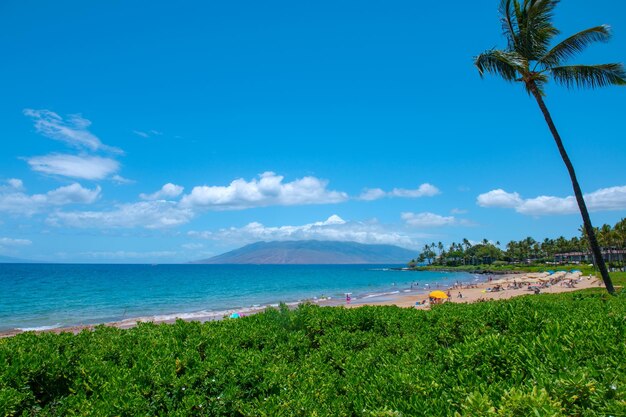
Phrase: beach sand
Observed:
(478, 292)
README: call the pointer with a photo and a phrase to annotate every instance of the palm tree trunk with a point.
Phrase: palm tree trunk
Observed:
(593, 242)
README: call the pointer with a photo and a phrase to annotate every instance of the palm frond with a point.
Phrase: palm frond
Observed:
(509, 23)
(541, 15)
(575, 44)
(518, 9)
(536, 28)
(520, 19)
(590, 76)
(541, 9)
(506, 64)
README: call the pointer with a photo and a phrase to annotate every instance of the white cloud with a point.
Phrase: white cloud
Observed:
(148, 214)
(148, 134)
(424, 190)
(268, 190)
(546, 205)
(19, 203)
(86, 167)
(613, 198)
(605, 199)
(140, 133)
(370, 194)
(7, 241)
(499, 198)
(158, 211)
(428, 220)
(169, 190)
(12, 184)
(121, 180)
(72, 194)
(15, 183)
(334, 229)
(458, 211)
(72, 131)
(192, 246)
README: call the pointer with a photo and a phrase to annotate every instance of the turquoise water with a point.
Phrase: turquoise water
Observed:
(37, 296)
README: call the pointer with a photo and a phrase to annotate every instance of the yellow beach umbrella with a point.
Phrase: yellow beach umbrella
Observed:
(438, 294)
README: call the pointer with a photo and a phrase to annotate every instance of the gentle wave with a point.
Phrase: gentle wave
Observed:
(47, 296)
(204, 315)
(381, 294)
(39, 328)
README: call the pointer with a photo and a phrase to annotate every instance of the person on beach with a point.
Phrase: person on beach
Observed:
(348, 298)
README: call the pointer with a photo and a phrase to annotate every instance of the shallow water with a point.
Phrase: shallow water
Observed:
(37, 296)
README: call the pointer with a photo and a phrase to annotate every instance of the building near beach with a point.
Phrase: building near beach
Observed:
(609, 255)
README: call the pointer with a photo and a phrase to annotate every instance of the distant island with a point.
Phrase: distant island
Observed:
(313, 252)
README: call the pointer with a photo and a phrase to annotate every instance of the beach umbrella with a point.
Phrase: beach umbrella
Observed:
(234, 316)
(438, 294)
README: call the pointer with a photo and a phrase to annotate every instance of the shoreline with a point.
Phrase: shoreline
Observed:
(559, 282)
(513, 285)
(477, 271)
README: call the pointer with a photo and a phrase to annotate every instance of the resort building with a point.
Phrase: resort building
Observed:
(609, 255)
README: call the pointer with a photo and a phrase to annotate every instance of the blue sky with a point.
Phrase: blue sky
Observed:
(167, 131)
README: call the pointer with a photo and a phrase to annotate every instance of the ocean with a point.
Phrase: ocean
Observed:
(46, 296)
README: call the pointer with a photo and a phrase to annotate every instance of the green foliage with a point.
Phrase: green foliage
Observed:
(619, 278)
(529, 58)
(548, 355)
(528, 251)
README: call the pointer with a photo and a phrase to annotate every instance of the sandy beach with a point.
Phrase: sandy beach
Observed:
(495, 288)
(500, 288)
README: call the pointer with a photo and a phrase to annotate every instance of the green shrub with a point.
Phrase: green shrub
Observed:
(547, 355)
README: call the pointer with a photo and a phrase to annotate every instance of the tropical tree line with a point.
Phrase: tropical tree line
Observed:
(612, 240)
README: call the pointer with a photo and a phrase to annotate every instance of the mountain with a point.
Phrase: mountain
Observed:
(313, 252)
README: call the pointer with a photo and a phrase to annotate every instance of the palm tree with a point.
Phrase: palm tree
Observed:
(528, 59)
(605, 240)
(620, 229)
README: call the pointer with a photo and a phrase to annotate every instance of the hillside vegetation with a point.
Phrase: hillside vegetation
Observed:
(546, 355)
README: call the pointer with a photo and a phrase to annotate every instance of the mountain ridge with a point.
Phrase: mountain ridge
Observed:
(313, 252)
